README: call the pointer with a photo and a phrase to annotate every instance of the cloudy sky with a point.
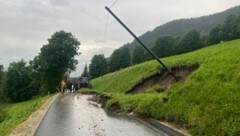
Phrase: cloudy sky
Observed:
(25, 25)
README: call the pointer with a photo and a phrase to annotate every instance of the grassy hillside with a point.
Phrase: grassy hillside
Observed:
(207, 103)
(12, 114)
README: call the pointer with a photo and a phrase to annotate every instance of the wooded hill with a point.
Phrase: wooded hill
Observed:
(173, 38)
(177, 27)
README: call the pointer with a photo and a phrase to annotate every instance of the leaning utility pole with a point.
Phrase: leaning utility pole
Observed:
(141, 43)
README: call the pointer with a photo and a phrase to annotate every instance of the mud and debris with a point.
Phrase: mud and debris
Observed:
(115, 107)
(100, 99)
(164, 79)
(63, 118)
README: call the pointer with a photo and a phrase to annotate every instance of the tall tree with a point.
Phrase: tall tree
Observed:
(1, 67)
(164, 46)
(189, 41)
(119, 59)
(138, 55)
(1, 79)
(214, 35)
(16, 82)
(229, 30)
(1, 73)
(238, 27)
(85, 71)
(55, 59)
(98, 66)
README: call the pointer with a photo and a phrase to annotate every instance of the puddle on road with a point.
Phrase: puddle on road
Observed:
(74, 115)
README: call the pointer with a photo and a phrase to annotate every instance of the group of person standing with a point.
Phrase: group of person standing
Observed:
(69, 87)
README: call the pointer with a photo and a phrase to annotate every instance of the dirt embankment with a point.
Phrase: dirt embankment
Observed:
(29, 127)
(164, 79)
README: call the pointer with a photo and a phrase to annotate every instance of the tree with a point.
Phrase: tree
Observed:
(16, 82)
(85, 71)
(1, 73)
(119, 59)
(34, 77)
(189, 41)
(229, 29)
(138, 55)
(98, 66)
(205, 40)
(164, 46)
(147, 56)
(55, 59)
(214, 36)
(1, 79)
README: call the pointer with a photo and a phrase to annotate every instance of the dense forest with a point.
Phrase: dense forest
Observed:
(177, 27)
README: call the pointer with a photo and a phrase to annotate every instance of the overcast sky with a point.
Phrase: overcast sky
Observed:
(25, 25)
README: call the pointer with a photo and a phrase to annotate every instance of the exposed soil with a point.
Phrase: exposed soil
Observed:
(99, 98)
(102, 100)
(115, 108)
(164, 79)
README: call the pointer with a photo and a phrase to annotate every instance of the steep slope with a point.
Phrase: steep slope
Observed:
(174, 28)
(207, 103)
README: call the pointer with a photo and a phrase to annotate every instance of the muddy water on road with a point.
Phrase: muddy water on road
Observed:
(74, 115)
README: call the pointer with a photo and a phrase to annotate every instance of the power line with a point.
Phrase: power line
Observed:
(113, 4)
(107, 18)
(105, 28)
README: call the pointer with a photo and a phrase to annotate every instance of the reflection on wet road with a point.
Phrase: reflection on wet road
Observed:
(74, 115)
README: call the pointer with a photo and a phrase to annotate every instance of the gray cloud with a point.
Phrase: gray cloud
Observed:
(27, 24)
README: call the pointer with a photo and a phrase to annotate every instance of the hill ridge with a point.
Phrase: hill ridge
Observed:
(202, 24)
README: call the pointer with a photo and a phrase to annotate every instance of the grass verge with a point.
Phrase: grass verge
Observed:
(17, 113)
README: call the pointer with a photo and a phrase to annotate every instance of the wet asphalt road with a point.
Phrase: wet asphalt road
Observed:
(74, 115)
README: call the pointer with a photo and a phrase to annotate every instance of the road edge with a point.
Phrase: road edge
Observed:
(169, 128)
(29, 127)
(166, 127)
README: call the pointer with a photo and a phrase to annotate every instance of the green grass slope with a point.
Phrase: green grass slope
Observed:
(207, 103)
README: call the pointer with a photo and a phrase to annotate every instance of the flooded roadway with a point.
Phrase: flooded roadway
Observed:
(74, 115)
